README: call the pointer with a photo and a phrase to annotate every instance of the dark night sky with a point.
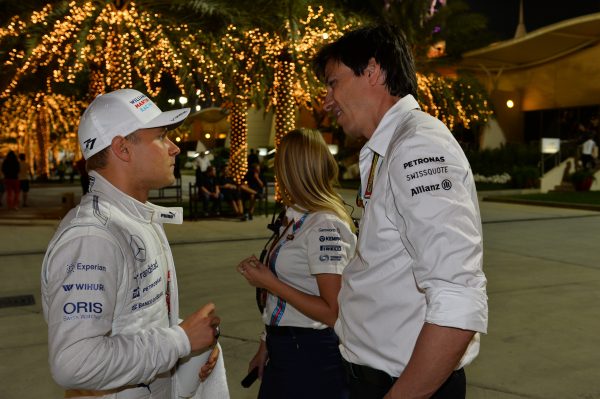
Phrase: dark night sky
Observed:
(503, 15)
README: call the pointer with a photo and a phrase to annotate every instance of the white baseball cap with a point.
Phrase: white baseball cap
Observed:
(120, 113)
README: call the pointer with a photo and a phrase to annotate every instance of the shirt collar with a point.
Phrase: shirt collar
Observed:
(382, 136)
(147, 211)
(295, 214)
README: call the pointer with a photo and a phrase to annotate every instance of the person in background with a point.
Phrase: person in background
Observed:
(10, 170)
(201, 164)
(209, 191)
(70, 170)
(413, 299)
(177, 167)
(589, 152)
(231, 192)
(1, 179)
(256, 188)
(253, 157)
(24, 177)
(61, 170)
(109, 287)
(299, 357)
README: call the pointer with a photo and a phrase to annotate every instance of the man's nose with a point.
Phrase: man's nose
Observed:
(174, 149)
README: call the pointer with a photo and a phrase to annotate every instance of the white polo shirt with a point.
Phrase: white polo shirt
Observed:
(419, 252)
(322, 243)
(588, 147)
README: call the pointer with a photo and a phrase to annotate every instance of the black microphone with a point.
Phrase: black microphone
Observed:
(250, 378)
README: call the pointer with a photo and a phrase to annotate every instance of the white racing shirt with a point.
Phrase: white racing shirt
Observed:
(314, 243)
(419, 252)
(106, 279)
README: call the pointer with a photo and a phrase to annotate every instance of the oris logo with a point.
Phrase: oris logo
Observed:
(82, 307)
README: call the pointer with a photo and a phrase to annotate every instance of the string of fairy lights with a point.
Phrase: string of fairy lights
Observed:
(29, 120)
(252, 71)
(125, 45)
(115, 47)
(122, 46)
(241, 72)
(238, 143)
(284, 101)
(453, 101)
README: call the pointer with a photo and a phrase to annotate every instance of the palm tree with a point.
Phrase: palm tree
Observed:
(295, 84)
(299, 28)
(459, 101)
(84, 48)
(270, 68)
(42, 122)
(110, 45)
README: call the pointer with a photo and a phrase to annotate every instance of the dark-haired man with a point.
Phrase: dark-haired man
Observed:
(413, 298)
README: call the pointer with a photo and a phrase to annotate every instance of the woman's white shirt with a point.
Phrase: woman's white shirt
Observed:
(310, 244)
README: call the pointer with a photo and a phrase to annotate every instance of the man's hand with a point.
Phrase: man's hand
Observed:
(210, 364)
(200, 328)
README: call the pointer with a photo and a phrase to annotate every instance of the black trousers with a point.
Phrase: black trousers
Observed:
(368, 383)
(303, 364)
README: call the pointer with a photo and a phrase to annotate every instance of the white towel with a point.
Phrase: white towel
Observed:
(215, 386)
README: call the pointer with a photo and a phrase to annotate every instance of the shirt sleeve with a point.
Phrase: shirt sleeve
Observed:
(330, 246)
(438, 215)
(82, 275)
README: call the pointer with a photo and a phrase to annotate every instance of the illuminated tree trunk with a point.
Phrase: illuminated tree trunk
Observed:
(285, 106)
(43, 141)
(239, 141)
(96, 85)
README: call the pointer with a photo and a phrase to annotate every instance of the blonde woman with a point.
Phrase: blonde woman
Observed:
(300, 356)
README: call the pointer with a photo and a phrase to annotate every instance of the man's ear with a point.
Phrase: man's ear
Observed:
(121, 148)
(374, 72)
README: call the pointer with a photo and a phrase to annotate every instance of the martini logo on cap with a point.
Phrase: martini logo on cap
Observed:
(141, 102)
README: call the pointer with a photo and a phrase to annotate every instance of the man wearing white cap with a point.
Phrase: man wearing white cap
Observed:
(109, 289)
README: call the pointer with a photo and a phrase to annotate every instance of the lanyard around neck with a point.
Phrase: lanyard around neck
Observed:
(276, 246)
(369, 188)
(281, 304)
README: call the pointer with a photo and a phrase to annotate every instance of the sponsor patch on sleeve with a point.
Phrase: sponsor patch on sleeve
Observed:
(445, 184)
